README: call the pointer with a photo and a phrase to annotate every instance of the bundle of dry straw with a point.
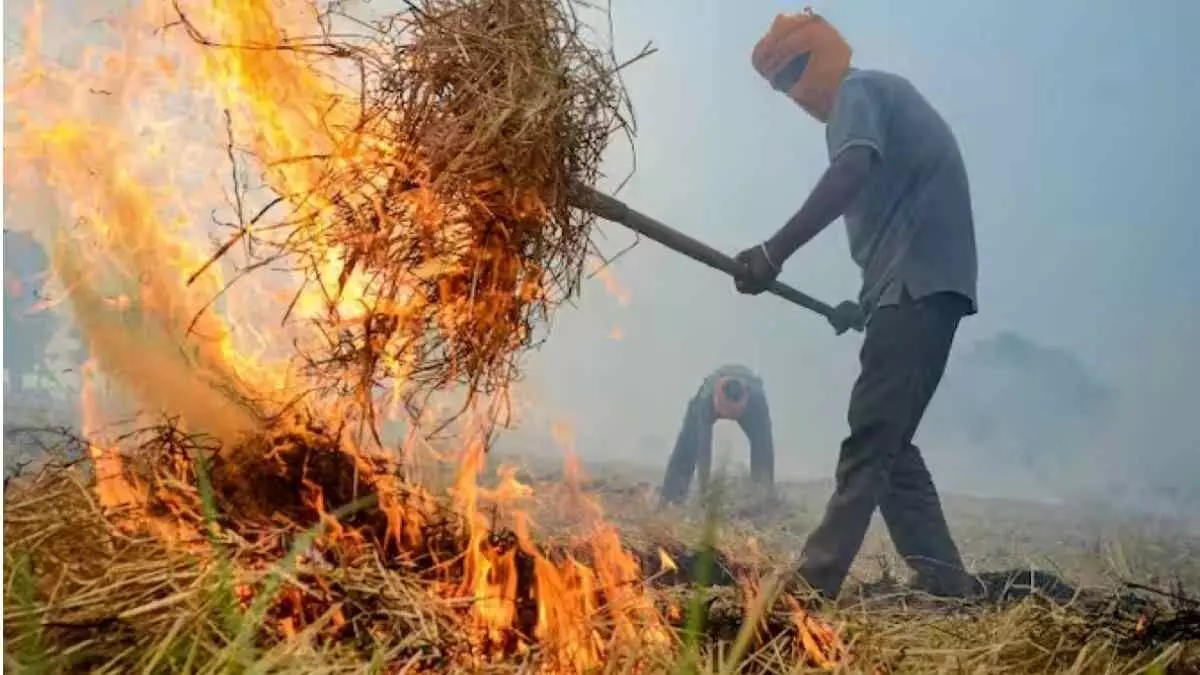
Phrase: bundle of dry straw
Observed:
(460, 232)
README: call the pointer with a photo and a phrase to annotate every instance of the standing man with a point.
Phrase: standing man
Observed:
(731, 392)
(897, 178)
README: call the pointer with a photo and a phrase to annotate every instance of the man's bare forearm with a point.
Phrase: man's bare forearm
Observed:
(833, 194)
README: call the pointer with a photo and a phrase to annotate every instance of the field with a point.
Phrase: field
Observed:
(82, 597)
(1088, 547)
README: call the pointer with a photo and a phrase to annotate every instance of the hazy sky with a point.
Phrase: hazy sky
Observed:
(1071, 116)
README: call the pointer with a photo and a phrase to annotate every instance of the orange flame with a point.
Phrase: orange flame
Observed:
(666, 562)
(108, 160)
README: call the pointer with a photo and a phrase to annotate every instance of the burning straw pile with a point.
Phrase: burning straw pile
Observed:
(443, 200)
(86, 593)
(256, 569)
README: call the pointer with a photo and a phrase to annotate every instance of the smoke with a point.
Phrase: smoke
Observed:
(1015, 418)
(1034, 398)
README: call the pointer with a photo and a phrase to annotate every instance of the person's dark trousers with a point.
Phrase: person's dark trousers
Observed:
(903, 357)
(689, 449)
(756, 424)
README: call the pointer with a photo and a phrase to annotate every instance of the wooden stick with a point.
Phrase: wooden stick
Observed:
(614, 210)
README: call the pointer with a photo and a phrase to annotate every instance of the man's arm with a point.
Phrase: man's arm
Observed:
(833, 194)
(682, 463)
(756, 423)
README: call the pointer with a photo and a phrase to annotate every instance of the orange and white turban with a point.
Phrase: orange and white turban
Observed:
(803, 56)
(724, 406)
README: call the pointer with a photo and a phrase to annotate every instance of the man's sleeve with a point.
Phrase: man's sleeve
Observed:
(702, 405)
(857, 120)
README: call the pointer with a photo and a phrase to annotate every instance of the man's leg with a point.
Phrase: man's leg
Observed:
(913, 513)
(902, 358)
(682, 463)
(704, 457)
(757, 426)
(911, 507)
(762, 466)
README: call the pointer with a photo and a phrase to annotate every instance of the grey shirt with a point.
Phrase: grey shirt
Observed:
(911, 227)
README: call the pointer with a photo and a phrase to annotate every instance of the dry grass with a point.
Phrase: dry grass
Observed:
(125, 566)
(82, 596)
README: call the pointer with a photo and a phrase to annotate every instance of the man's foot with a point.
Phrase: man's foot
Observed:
(962, 586)
(807, 597)
(666, 503)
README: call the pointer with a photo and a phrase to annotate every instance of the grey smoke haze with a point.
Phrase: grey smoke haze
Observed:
(1076, 379)
(1021, 411)
(1078, 376)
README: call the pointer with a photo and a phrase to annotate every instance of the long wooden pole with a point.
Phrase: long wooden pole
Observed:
(614, 210)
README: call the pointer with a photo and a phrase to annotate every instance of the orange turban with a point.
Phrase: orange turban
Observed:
(792, 36)
(730, 408)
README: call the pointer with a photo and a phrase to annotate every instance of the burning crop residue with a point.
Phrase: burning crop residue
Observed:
(470, 560)
(198, 178)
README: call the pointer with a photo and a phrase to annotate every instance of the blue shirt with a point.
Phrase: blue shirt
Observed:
(911, 227)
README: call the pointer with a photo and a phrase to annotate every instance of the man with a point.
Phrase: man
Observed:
(731, 392)
(898, 179)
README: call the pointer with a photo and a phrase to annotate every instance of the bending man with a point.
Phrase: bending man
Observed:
(732, 392)
(898, 179)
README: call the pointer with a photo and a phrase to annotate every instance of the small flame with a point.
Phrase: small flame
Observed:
(822, 644)
(615, 288)
(665, 562)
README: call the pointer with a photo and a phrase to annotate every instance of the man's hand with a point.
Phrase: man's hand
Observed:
(845, 316)
(758, 270)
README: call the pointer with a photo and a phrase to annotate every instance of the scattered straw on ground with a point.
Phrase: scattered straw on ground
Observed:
(255, 559)
(83, 593)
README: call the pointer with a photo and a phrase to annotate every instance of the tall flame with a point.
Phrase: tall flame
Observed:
(118, 158)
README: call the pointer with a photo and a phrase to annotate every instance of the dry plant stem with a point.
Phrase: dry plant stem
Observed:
(448, 199)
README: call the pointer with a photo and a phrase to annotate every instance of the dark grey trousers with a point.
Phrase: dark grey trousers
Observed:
(693, 447)
(903, 357)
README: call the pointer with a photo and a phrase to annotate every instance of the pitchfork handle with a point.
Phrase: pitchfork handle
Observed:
(612, 209)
